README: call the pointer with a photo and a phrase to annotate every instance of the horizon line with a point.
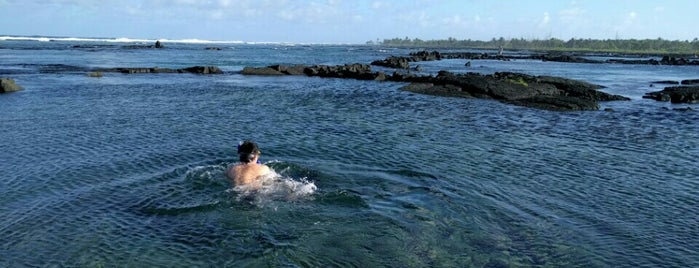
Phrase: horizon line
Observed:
(48, 38)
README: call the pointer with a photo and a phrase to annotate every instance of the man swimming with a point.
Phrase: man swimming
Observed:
(248, 171)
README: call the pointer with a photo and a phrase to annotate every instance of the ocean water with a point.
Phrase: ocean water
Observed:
(128, 170)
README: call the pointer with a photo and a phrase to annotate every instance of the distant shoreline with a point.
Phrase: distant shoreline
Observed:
(589, 47)
(642, 47)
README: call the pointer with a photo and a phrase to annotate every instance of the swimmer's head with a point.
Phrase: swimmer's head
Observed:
(247, 151)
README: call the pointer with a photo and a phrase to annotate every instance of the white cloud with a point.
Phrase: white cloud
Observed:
(134, 9)
(629, 21)
(572, 14)
(454, 21)
(217, 14)
(379, 5)
(224, 3)
(544, 22)
(424, 20)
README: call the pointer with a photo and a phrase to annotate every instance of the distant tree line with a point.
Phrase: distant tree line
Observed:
(553, 44)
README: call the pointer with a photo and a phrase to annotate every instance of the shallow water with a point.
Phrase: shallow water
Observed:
(128, 170)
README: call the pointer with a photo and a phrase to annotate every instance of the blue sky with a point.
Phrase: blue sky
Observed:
(346, 21)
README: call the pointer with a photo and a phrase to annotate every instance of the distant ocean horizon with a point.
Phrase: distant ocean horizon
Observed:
(47, 38)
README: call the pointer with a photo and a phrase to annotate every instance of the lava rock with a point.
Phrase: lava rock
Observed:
(678, 94)
(8, 85)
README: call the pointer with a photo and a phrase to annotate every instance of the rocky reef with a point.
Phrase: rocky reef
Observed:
(542, 92)
(677, 94)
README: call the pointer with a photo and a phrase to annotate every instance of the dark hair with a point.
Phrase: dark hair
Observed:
(247, 151)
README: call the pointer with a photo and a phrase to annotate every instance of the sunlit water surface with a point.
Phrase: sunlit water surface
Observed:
(128, 170)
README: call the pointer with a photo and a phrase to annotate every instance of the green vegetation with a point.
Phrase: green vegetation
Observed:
(519, 81)
(95, 74)
(644, 46)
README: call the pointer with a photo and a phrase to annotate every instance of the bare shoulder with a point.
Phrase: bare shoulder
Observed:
(232, 170)
(263, 169)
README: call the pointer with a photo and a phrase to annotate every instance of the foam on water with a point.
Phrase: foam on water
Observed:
(276, 186)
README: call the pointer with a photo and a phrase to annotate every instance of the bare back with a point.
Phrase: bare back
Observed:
(244, 174)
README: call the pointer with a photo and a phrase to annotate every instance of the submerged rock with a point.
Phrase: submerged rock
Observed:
(260, 71)
(95, 74)
(193, 69)
(686, 109)
(557, 103)
(8, 85)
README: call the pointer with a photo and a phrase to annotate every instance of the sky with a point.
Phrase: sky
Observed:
(353, 22)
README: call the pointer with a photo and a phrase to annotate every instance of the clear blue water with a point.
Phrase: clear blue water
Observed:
(128, 170)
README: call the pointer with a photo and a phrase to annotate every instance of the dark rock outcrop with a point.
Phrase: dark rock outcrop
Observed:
(678, 94)
(667, 60)
(404, 62)
(690, 82)
(425, 55)
(351, 71)
(567, 58)
(543, 92)
(393, 62)
(8, 85)
(201, 70)
(666, 82)
(193, 69)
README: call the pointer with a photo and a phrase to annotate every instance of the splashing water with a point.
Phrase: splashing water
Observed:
(275, 186)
